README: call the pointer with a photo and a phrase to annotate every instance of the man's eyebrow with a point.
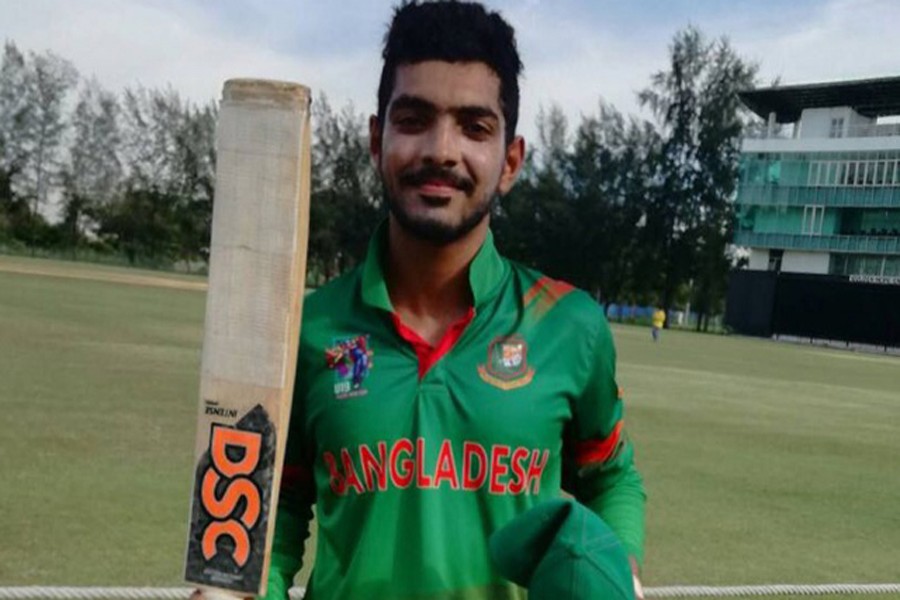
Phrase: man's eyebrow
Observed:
(472, 111)
(476, 112)
(407, 102)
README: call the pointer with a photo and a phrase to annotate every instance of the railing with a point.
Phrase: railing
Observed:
(783, 132)
(856, 244)
(786, 132)
(876, 130)
(799, 195)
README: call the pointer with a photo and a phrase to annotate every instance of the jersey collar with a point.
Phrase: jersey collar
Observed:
(486, 273)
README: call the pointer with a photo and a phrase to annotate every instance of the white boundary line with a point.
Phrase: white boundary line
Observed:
(686, 591)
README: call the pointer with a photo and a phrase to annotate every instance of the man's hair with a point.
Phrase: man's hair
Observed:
(452, 31)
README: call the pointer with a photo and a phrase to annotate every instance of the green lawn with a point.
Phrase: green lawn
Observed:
(764, 462)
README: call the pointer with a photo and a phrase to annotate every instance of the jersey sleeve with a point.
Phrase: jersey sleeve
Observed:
(295, 500)
(598, 458)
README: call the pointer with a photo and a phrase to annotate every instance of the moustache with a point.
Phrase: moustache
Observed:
(432, 173)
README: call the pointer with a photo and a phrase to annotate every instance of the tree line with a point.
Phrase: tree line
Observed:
(128, 174)
(632, 210)
(641, 210)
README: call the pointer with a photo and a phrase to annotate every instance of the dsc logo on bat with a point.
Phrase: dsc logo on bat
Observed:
(226, 442)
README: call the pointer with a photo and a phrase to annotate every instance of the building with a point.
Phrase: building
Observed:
(819, 202)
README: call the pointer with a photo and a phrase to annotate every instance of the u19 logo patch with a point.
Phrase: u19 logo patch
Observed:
(351, 361)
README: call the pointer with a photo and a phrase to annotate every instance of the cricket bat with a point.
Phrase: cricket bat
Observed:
(257, 270)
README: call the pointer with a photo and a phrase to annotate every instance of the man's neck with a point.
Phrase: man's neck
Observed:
(429, 283)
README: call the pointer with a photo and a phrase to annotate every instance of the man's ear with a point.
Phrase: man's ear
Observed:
(512, 164)
(375, 140)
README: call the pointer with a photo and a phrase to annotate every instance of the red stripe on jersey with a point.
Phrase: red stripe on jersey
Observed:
(598, 451)
(427, 354)
(545, 293)
(554, 292)
(533, 292)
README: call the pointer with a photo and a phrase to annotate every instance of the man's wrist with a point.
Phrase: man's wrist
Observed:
(636, 577)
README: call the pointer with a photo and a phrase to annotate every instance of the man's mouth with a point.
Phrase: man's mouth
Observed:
(435, 187)
(437, 182)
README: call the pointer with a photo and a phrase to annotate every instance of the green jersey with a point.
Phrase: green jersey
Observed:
(413, 455)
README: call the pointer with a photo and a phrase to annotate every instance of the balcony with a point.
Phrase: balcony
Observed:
(873, 130)
(838, 197)
(853, 244)
(791, 131)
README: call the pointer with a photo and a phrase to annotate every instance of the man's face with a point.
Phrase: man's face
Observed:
(441, 151)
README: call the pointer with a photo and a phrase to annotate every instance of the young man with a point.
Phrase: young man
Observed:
(442, 390)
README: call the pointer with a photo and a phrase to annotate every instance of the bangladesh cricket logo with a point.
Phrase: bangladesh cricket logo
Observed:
(351, 361)
(507, 363)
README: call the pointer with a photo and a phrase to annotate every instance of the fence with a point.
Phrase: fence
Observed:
(765, 303)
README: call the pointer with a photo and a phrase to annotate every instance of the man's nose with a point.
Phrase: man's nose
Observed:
(442, 143)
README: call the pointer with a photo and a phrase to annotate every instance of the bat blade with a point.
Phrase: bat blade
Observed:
(256, 281)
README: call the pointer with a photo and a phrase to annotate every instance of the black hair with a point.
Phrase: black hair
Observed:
(452, 31)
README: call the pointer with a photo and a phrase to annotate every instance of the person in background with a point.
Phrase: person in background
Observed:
(659, 321)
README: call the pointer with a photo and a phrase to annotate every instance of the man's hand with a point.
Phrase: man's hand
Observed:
(202, 594)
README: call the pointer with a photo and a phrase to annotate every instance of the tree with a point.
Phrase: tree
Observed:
(696, 107)
(140, 226)
(611, 165)
(15, 116)
(194, 171)
(345, 197)
(93, 175)
(169, 157)
(151, 122)
(516, 217)
(49, 80)
(534, 223)
(580, 201)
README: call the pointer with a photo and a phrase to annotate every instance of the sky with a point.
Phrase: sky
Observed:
(575, 51)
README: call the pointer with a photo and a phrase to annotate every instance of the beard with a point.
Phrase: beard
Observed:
(434, 230)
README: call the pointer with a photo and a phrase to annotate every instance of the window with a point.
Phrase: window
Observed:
(871, 265)
(879, 173)
(813, 219)
(851, 173)
(775, 257)
(837, 128)
(830, 178)
(841, 177)
(892, 266)
(774, 172)
(870, 172)
(834, 171)
(813, 174)
(865, 264)
(838, 264)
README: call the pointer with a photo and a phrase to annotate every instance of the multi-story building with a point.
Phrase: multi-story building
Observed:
(826, 199)
(819, 190)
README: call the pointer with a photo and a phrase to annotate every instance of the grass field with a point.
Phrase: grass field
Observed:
(764, 462)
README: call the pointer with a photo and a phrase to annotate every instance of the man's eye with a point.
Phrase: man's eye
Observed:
(477, 129)
(409, 121)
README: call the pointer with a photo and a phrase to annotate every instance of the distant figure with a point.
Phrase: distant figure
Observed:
(659, 319)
